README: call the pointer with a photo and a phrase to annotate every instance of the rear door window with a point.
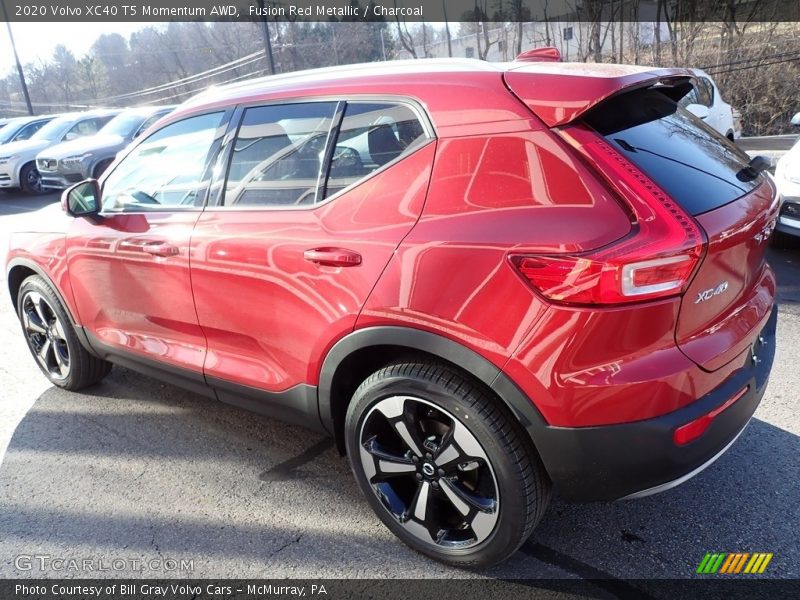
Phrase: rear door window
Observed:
(278, 156)
(698, 167)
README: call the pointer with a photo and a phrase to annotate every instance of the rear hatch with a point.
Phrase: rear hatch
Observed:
(731, 294)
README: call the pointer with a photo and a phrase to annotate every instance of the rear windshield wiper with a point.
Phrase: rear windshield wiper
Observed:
(756, 165)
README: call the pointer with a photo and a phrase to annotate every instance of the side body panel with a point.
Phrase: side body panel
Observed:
(268, 313)
(44, 253)
(130, 299)
(492, 196)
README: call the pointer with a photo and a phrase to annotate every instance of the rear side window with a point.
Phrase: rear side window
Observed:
(372, 135)
(706, 90)
(702, 93)
(698, 167)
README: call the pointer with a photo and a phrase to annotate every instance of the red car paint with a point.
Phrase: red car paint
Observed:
(232, 294)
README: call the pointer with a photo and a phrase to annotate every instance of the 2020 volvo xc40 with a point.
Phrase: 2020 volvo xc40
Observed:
(486, 281)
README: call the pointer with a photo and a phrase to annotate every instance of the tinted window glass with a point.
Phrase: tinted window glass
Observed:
(278, 155)
(148, 122)
(690, 98)
(124, 124)
(7, 132)
(84, 127)
(55, 128)
(26, 132)
(166, 169)
(371, 135)
(706, 91)
(694, 164)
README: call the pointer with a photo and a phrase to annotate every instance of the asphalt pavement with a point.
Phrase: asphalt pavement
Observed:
(136, 471)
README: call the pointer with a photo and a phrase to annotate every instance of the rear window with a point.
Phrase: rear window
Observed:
(700, 168)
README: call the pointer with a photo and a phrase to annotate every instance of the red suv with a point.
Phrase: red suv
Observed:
(484, 280)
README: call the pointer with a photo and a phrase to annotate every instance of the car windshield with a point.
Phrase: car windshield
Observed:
(8, 130)
(54, 129)
(124, 124)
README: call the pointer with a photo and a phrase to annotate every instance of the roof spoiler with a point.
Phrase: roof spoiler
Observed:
(559, 94)
(543, 54)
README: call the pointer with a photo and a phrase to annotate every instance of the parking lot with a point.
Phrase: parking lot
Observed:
(137, 470)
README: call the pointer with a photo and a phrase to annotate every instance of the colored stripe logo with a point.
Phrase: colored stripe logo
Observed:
(734, 562)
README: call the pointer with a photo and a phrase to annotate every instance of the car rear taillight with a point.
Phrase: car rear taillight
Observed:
(656, 260)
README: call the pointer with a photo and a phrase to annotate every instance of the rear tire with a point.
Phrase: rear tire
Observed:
(31, 180)
(52, 339)
(445, 467)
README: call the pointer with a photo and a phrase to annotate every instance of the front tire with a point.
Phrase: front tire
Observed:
(31, 180)
(444, 466)
(100, 168)
(52, 339)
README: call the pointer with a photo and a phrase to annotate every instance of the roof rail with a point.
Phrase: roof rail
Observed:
(543, 54)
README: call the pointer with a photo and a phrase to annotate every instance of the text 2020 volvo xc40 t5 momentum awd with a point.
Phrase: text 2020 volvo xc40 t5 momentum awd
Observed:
(486, 281)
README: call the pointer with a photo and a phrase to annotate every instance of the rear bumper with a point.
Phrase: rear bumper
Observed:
(640, 458)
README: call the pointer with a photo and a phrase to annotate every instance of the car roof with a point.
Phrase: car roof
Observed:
(28, 119)
(476, 86)
(148, 110)
(345, 72)
(427, 67)
(95, 112)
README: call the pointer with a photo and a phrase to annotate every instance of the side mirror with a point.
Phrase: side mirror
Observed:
(71, 136)
(82, 199)
(796, 120)
(698, 110)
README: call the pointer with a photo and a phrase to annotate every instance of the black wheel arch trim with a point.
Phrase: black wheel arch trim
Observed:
(29, 264)
(479, 367)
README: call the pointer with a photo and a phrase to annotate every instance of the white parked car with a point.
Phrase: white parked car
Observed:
(787, 179)
(705, 101)
(22, 128)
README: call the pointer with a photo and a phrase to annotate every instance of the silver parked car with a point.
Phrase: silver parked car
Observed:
(70, 162)
(18, 159)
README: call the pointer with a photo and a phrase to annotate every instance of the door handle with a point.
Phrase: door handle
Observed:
(161, 249)
(333, 257)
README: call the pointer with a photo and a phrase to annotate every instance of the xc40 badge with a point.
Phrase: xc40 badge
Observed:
(711, 292)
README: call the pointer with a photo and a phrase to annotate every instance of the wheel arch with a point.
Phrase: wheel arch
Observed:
(104, 162)
(362, 352)
(22, 165)
(19, 269)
